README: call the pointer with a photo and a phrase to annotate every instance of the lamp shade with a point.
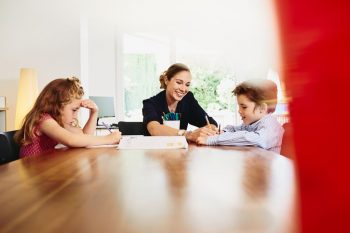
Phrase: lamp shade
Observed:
(27, 94)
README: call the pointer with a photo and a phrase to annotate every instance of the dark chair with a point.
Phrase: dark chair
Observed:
(287, 147)
(9, 149)
(131, 128)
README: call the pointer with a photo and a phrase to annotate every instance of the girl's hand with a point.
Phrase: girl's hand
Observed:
(202, 140)
(89, 104)
(114, 137)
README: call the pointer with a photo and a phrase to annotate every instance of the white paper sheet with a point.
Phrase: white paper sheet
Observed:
(153, 142)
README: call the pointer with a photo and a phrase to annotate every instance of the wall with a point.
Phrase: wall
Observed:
(49, 36)
(101, 54)
(39, 34)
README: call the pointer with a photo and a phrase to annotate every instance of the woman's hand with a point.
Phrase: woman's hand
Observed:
(89, 104)
(202, 140)
(200, 132)
(213, 127)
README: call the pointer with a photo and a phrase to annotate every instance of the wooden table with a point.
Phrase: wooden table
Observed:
(202, 189)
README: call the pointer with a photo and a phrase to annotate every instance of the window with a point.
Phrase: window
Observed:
(144, 59)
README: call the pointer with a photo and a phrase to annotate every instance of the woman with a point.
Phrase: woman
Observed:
(176, 98)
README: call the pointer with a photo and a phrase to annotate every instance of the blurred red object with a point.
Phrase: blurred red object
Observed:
(315, 45)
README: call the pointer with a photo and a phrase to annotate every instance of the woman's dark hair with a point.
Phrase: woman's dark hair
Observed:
(171, 72)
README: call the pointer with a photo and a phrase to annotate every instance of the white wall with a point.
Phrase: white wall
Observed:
(46, 35)
(97, 59)
(38, 34)
(101, 55)
(241, 33)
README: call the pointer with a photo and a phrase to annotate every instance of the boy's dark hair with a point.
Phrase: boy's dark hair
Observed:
(259, 91)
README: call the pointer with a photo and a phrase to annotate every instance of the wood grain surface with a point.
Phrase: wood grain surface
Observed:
(202, 189)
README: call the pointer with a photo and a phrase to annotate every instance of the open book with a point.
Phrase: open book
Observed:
(153, 142)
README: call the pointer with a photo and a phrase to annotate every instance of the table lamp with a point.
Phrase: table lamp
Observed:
(27, 94)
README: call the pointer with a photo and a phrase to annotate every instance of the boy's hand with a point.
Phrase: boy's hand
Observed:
(202, 140)
(89, 104)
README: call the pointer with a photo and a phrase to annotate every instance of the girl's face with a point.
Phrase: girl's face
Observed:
(70, 112)
(249, 111)
(178, 86)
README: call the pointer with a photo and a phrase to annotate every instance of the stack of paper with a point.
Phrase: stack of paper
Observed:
(153, 142)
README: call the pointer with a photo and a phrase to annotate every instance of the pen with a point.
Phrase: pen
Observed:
(219, 128)
(208, 123)
(105, 125)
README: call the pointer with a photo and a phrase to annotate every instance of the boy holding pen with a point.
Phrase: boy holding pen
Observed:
(257, 101)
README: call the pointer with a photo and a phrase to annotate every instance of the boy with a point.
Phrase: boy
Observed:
(257, 101)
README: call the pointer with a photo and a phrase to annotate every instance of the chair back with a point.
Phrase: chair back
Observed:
(9, 149)
(131, 128)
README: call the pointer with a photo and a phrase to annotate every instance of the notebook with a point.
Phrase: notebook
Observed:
(153, 142)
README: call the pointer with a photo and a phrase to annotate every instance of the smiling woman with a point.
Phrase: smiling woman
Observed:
(176, 103)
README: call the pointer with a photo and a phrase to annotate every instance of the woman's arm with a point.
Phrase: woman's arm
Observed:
(200, 132)
(53, 130)
(157, 129)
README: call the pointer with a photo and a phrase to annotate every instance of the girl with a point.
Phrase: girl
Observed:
(176, 98)
(53, 120)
